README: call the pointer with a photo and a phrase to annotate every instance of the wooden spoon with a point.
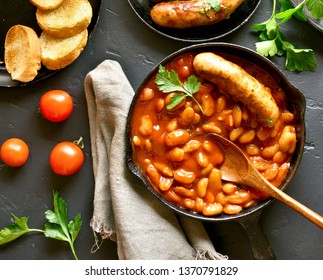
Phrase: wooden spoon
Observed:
(238, 168)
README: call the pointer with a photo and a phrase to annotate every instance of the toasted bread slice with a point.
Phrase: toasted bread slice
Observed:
(22, 53)
(47, 4)
(69, 19)
(57, 53)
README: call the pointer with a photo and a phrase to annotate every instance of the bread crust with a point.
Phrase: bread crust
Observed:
(47, 4)
(58, 53)
(69, 19)
(22, 53)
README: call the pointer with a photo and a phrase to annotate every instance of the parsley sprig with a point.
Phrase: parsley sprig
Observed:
(272, 41)
(57, 226)
(168, 81)
(213, 5)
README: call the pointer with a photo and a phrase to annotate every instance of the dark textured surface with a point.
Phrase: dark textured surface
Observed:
(122, 36)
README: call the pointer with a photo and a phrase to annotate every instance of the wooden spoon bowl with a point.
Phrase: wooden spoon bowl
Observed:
(237, 168)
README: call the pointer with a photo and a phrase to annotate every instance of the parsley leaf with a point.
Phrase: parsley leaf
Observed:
(267, 48)
(175, 100)
(192, 85)
(168, 81)
(214, 4)
(272, 41)
(57, 226)
(315, 7)
(286, 14)
(15, 230)
(286, 5)
(300, 59)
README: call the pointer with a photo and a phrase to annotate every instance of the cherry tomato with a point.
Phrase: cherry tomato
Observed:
(56, 105)
(14, 152)
(66, 158)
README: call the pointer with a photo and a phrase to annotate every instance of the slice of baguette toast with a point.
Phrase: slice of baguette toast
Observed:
(47, 4)
(22, 53)
(69, 19)
(57, 53)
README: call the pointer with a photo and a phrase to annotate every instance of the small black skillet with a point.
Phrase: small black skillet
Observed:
(249, 218)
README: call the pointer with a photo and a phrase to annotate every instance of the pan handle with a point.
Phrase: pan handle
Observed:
(261, 249)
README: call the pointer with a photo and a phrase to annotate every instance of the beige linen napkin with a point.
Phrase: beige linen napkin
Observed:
(124, 210)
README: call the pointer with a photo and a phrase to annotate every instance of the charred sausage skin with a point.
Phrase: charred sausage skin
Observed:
(186, 14)
(237, 82)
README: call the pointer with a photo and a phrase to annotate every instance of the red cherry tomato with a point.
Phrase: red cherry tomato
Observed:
(14, 152)
(56, 105)
(66, 158)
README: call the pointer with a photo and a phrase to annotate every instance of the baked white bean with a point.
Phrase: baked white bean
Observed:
(229, 188)
(165, 183)
(176, 154)
(236, 133)
(208, 105)
(211, 127)
(172, 125)
(202, 159)
(189, 203)
(177, 137)
(238, 197)
(252, 150)
(270, 151)
(159, 105)
(201, 187)
(199, 204)
(232, 209)
(287, 138)
(191, 146)
(236, 115)
(164, 169)
(215, 181)
(184, 192)
(184, 177)
(147, 94)
(247, 136)
(271, 172)
(187, 116)
(221, 104)
(146, 126)
(212, 209)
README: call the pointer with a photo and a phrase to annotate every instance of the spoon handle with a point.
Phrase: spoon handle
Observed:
(297, 206)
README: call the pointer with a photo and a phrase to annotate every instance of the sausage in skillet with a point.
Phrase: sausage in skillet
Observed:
(186, 14)
(237, 82)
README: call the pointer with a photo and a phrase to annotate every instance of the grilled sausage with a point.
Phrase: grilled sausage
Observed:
(237, 82)
(186, 14)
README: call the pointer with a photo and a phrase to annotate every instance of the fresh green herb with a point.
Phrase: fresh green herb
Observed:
(213, 4)
(315, 7)
(210, 5)
(15, 230)
(57, 226)
(272, 41)
(168, 81)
